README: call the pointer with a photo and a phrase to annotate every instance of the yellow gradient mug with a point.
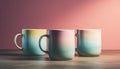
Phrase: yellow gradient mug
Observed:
(30, 40)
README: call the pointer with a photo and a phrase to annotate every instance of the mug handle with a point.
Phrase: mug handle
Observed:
(76, 36)
(40, 42)
(15, 40)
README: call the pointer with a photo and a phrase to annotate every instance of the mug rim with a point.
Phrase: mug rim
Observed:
(90, 29)
(61, 30)
(34, 29)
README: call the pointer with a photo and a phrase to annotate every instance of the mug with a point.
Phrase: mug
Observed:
(61, 44)
(30, 39)
(88, 42)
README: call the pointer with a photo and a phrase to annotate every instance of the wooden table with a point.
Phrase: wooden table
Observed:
(15, 60)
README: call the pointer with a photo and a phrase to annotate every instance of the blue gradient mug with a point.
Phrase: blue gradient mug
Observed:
(88, 42)
(61, 44)
(30, 39)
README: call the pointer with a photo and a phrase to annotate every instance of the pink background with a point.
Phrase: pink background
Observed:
(60, 14)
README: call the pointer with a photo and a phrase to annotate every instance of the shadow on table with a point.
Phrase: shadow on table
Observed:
(41, 58)
(21, 57)
(17, 55)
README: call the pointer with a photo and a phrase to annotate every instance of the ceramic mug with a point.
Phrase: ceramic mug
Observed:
(30, 39)
(61, 44)
(88, 42)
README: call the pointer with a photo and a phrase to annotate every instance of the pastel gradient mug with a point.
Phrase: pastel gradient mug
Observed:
(61, 44)
(30, 39)
(88, 42)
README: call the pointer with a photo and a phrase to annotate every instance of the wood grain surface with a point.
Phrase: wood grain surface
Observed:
(10, 59)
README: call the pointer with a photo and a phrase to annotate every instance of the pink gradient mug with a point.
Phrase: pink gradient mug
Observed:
(61, 44)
